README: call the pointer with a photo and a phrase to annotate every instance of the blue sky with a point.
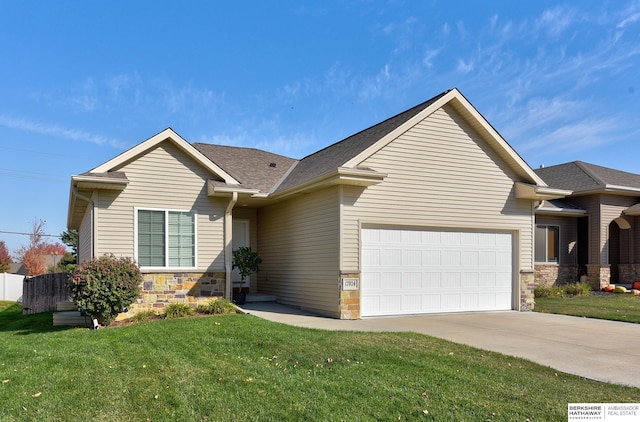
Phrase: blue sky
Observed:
(82, 81)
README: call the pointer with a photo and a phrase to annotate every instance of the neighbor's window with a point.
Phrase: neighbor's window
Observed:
(166, 238)
(547, 243)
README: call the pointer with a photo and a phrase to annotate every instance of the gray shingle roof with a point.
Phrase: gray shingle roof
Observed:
(330, 158)
(252, 167)
(579, 176)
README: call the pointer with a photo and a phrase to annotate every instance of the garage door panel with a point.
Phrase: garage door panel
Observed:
(390, 281)
(431, 258)
(427, 271)
(431, 280)
(412, 258)
(412, 280)
(391, 257)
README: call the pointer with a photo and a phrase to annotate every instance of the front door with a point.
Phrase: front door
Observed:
(240, 237)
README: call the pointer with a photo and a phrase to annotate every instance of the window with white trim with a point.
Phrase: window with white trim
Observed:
(166, 238)
(547, 244)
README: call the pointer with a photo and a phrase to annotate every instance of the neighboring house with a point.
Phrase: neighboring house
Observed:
(595, 231)
(428, 211)
(18, 268)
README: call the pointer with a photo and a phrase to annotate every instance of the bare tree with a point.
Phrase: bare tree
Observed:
(33, 255)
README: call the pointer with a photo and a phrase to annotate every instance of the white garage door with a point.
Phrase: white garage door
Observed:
(427, 271)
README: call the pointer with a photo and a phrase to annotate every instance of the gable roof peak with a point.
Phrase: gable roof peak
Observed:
(580, 176)
(167, 134)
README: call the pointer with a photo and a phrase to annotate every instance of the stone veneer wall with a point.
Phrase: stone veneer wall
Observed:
(599, 275)
(350, 300)
(554, 274)
(629, 273)
(161, 289)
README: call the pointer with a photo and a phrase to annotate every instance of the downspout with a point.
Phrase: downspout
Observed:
(228, 237)
(93, 223)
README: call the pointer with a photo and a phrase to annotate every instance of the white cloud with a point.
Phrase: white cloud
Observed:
(375, 86)
(574, 137)
(58, 131)
(428, 57)
(556, 20)
(630, 19)
(446, 30)
(464, 67)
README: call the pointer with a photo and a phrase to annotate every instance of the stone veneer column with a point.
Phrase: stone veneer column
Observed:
(527, 285)
(350, 299)
(599, 275)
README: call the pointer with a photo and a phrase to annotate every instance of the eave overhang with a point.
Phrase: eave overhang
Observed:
(539, 193)
(633, 211)
(341, 176)
(214, 188)
(611, 189)
(543, 209)
(88, 182)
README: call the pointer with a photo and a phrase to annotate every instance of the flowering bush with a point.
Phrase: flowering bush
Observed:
(246, 261)
(103, 287)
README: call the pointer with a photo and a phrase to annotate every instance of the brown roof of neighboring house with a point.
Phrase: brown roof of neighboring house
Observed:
(579, 176)
(18, 268)
(252, 167)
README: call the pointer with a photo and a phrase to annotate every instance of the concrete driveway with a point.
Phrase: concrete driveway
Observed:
(601, 350)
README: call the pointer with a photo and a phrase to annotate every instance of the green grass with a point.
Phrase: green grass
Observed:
(613, 306)
(241, 368)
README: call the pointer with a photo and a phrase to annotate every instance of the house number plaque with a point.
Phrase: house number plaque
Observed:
(349, 284)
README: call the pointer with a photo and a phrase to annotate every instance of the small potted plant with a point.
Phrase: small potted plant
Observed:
(247, 262)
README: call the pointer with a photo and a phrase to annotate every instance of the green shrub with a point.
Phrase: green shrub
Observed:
(178, 310)
(246, 260)
(573, 289)
(217, 306)
(548, 291)
(577, 289)
(143, 316)
(103, 287)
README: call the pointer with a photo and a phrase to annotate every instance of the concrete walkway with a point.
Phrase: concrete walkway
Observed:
(597, 349)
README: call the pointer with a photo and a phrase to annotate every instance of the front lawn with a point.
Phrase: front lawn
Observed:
(242, 368)
(613, 306)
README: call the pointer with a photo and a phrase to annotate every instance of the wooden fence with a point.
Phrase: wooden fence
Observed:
(41, 293)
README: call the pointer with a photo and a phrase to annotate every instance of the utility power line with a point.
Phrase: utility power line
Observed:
(29, 234)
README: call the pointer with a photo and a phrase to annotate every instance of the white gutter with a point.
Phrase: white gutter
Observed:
(228, 237)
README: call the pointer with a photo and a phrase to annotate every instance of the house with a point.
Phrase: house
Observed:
(428, 211)
(595, 231)
(18, 268)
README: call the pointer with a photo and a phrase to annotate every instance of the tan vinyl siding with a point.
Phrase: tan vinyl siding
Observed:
(591, 203)
(611, 208)
(602, 210)
(441, 174)
(299, 241)
(84, 236)
(568, 236)
(163, 178)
